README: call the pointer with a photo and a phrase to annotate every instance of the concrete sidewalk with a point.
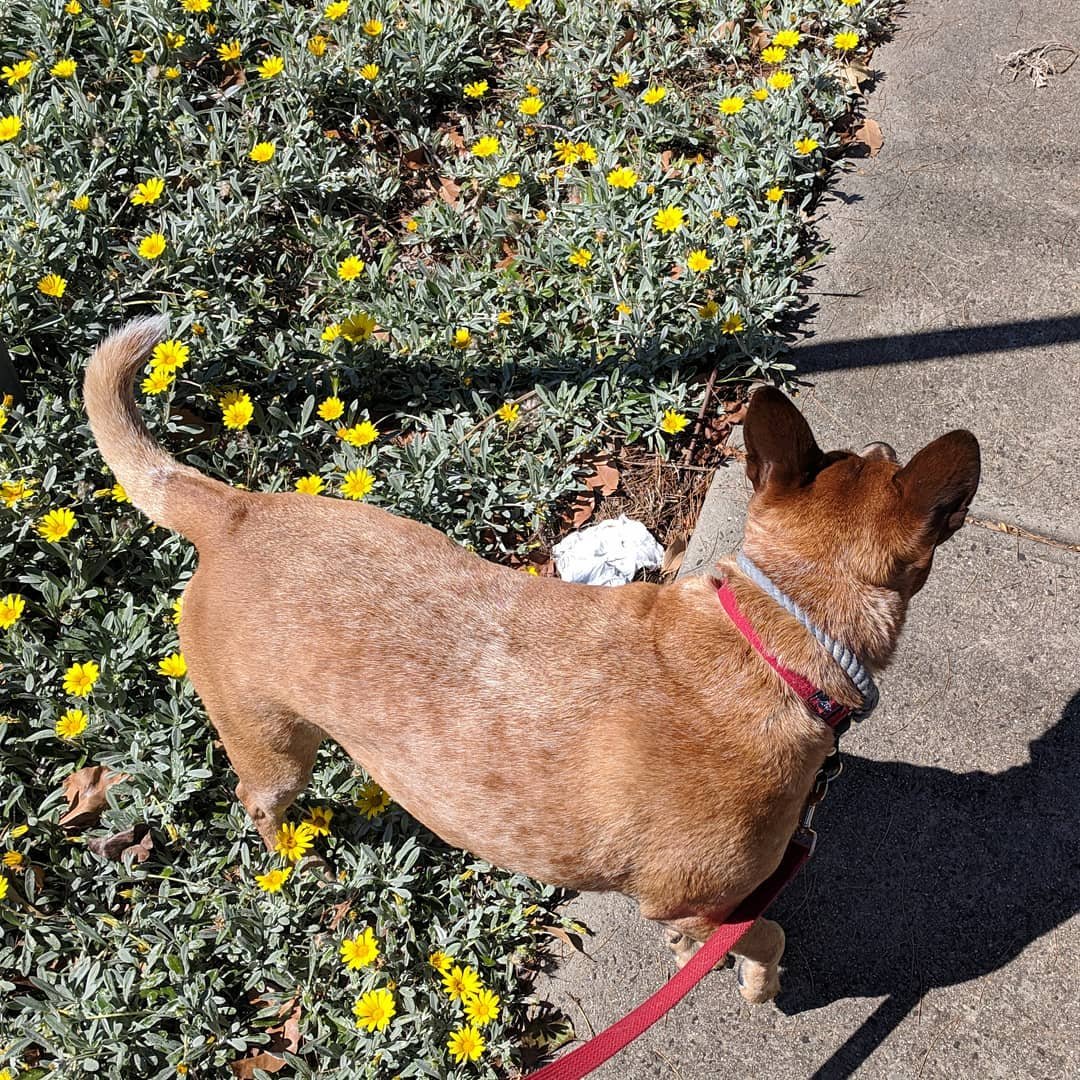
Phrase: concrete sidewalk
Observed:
(935, 933)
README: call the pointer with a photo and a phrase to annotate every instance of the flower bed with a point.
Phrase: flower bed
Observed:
(431, 254)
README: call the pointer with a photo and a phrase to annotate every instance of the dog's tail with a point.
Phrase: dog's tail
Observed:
(177, 496)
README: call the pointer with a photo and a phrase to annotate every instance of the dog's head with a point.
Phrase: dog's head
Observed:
(862, 518)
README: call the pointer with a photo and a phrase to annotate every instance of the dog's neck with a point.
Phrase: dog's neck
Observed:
(864, 617)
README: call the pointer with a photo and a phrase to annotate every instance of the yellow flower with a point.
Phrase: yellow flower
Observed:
(699, 261)
(173, 666)
(73, 7)
(654, 95)
(440, 961)
(316, 45)
(177, 609)
(787, 38)
(52, 285)
(357, 484)
(510, 180)
(846, 40)
(138, 56)
(195, 6)
(622, 177)
(620, 80)
(11, 608)
(231, 51)
(331, 409)
(262, 152)
(369, 72)
(586, 152)
(774, 194)
(158, 381)
(486, 146)
(530, 106)
(271, 66)
(806, 146)
(81, 203)
(172, 73)
(731, 105)
(774, 54)
(459, 982)
(850, 3)
(519, 5)
(759, 94)
(175, 40)
(373, 28)
(672, 422)
(359, 951)
(670, 219)
(371, 800)
(14, 491)
(149, 191)
(273, 879)
(732, 324)
(72, 724)
(309, 485)
(79, 679)
(3, 893)
(10, 126)
(411, 225)
(56, 524)
(318, 820)
(504, 318)
(509, 413)
(357, 326)
(360, 435)
(731, 221)
(476, 89)
(336, 10)
(566, 152)
(581, 257)
(465, 1044)
(63, 69)
(13, 860)
(624, 309)
(170, 355)
(350, 268)
(118, 494)
(150, 247)
(374, 1010)
(482, 1007)
(780, 80)
(462, 337)
(17, 72)
(236, 413)
(708, 310)
(292, 841)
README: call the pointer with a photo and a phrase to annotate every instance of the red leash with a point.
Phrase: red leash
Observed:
(609, 1042)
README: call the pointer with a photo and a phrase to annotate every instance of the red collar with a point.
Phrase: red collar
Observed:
(814, 698)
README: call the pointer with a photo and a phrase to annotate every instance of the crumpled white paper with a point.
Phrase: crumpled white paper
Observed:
(607, 554)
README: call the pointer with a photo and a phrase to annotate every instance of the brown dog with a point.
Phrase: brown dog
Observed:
(598, 738)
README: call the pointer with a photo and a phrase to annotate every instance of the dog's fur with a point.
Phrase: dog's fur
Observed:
(598, 738)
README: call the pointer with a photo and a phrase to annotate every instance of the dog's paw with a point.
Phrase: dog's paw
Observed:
(757, 983)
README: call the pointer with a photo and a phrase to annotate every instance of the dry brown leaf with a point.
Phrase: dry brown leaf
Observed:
(457, 139)
(416, 158)
(759, 37)
(856, 73)
(582, 509)
(627, 39)
(673, 558)
(339, 913)
(605, 479)
(136, 842)
(449, 190)
(284, 1037)
(573, 940)
(85, 792)
(869, 134)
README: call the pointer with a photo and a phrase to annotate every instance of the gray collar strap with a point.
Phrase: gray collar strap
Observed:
(849, 663)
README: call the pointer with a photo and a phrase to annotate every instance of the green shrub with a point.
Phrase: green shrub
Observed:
(515, 311)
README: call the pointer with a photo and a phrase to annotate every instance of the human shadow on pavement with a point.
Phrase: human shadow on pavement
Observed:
(812, 358)
(926, 878)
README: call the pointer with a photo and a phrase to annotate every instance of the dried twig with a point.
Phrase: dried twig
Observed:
(1039, 62)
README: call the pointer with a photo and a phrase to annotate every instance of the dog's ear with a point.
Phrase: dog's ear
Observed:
(939, 482)
(780, 447)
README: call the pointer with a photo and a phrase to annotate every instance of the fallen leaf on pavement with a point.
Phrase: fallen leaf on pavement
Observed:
(869, 134)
